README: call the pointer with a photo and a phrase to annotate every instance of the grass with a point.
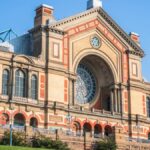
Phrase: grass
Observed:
(20, 148)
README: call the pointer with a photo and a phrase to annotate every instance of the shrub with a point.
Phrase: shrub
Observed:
(106, 144)
(45, 142)
(18, 138)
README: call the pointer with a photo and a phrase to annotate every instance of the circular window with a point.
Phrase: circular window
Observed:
(85, 85)
(95, 42)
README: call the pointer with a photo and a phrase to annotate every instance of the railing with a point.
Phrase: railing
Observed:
(14, 127)
(138, 140)
(24, 100)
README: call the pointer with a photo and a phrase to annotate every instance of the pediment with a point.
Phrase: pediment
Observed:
(98, 18)
(23, 59)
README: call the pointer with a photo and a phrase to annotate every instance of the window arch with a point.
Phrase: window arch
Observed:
(5, 82)
(34, 87)
(20, 89)
(33, 122)
(19, 120)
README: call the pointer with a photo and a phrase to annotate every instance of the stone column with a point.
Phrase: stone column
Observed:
(13, 81)
(112, 101)
(119, 100)
(29, 84)
(73, 92)
(115, 100)
(103, 132)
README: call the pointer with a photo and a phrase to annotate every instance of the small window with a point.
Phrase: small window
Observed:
(148, 136)
(148, 107)
(34, 87)
(5, 82)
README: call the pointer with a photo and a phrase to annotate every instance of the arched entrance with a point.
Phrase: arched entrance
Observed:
(19, 120)
(33, 122)
(97, 131)
(4, 119)
(94, 82)
(87, 127)
(77, 128)
(108, 130)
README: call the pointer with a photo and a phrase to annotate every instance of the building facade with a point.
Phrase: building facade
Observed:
(81, 73)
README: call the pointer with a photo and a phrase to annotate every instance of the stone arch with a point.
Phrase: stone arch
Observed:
(108, 130)
(101, 77)
(19, 119)
(34, 122)
(34, 116)
(88, 52)
(76, 127)
(4, 118)
(20, 112)
(97, 130)
(87, 121)
(24, 59)
(87, 127)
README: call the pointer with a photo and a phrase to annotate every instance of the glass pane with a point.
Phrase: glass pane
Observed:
(5, 82)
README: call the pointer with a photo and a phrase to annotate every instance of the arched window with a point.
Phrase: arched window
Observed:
(33, 122)
(34, 87)
(5, 82)
(20, 89)
(19, 120)
(108, 130)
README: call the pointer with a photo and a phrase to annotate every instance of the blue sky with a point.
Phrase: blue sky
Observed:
(131, 15)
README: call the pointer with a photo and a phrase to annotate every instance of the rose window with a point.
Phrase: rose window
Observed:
(85, 85)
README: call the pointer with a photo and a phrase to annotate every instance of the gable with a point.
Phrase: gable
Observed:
(23, 59)
(98, 18)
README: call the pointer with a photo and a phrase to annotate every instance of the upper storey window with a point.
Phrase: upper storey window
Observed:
(5, 82)
(148, 107)
(20, 83)
(34, 87)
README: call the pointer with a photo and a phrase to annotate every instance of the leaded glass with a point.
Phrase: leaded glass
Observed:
(20, 83)
(5, 82)
(85, 85)
(34, 87)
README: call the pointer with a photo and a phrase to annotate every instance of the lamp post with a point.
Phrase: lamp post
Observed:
(11, 129)
(84, 134)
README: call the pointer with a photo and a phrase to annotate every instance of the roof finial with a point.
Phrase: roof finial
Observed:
(94, 4)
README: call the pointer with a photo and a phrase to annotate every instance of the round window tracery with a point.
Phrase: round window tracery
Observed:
(85, 85)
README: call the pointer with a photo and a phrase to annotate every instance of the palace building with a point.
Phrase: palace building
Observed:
(81, 73)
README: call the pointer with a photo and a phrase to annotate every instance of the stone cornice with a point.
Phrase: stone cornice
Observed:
(140, 85)
(47, 28)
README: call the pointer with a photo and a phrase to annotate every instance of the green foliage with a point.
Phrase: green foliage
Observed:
(45, 142)
(106, 144)
(20, 148)
(18, 138)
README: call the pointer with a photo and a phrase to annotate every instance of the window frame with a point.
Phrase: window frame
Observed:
(5, 86)
(34, 89)
(20, 83)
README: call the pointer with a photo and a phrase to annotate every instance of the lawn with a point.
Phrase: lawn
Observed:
(20, 148)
